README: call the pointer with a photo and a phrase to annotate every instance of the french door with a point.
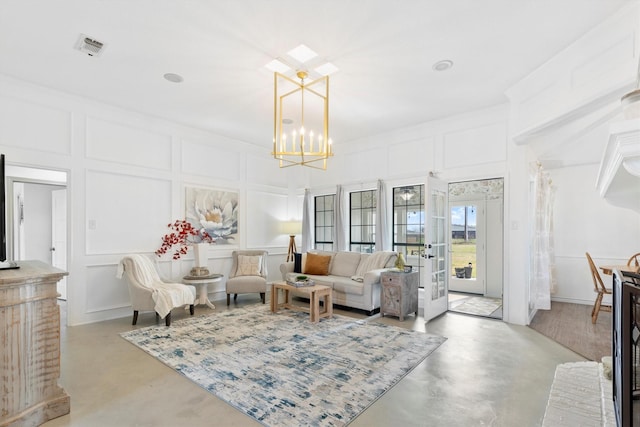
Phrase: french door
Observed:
(436, 248)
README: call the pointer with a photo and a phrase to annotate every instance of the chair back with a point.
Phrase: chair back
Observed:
(634, 261)
(263, 261)
(140, 270)
(598, 285)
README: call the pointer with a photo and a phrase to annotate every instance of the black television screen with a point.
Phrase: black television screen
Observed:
(3, 213)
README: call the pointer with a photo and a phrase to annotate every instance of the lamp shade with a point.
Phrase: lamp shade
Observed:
(291, 228)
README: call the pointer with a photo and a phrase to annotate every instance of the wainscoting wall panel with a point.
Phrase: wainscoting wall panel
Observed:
(264, 231)
(28, 125)
(607, 64)
(366, 165)
(412, 157)
(474, 146)
(264, 169)
(105, 291)
(598, 65)
(116, 142)
(210, 160)
(125, 213)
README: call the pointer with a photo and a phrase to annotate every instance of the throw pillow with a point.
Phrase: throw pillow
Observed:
(317, 264)
(297, 262)
(249, 265)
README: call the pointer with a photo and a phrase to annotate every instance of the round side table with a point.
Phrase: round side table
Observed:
(202, 283)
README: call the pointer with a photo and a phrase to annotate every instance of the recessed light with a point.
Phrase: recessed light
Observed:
(326, 69)
(174, 78)
(443, 65)
(277, 66)
(287, 121)
(302, 53)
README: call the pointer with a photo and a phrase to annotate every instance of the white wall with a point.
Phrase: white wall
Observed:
(127, 178)
(584, 222)
(127, 171)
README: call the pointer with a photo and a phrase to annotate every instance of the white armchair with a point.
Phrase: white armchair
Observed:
(149, 292)
(248, 274)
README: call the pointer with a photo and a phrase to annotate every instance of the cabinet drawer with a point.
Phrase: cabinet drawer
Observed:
(391, 279)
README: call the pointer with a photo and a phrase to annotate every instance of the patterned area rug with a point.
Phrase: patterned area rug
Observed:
(280, 369)
(480, 306)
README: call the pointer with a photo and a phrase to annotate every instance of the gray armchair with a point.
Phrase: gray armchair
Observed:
(248, 274)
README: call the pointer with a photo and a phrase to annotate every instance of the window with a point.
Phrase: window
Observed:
(408, 223)
(324, 227)
(362, 235)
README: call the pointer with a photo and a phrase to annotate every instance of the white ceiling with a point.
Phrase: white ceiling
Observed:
(384, 50)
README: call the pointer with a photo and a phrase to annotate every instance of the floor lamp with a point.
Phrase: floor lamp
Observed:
(291, 228)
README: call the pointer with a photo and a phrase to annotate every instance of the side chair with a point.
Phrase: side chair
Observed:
(248, 274)
(634, 261)
(600, 289)
(149, 292)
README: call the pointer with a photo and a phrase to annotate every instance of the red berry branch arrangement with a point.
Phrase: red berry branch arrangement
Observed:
(183, 235)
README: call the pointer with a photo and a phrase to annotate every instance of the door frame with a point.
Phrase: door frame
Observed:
(479, 284)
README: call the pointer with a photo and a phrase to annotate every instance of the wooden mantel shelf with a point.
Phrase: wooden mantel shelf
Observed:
(30, 346)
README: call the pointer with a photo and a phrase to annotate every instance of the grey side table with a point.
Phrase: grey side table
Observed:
(399, 293)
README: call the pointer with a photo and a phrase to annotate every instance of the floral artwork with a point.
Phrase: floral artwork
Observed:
(213, 212)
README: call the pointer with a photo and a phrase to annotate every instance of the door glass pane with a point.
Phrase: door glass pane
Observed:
(438, 243)
(463, 240)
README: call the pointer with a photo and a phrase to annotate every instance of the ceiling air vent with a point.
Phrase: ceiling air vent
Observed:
(91, 47)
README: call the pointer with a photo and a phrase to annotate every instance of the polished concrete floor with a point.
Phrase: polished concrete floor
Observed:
(488, 373)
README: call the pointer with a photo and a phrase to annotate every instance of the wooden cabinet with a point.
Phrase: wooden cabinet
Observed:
(399, 293)
(30, 346)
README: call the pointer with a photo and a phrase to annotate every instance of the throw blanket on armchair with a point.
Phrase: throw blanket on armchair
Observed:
(375, 261)
(165, 295)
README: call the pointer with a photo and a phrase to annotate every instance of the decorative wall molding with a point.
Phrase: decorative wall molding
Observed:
(26, 124)
(125, 144)
(114, 211)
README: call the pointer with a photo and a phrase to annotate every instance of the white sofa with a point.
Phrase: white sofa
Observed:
(354, 277)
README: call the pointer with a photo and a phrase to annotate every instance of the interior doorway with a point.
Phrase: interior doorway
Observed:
(37, 217)
(476, 248)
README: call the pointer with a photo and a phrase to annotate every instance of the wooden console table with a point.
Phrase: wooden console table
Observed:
(30, 346)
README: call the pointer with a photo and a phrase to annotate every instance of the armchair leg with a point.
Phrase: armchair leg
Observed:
(191, 309)
(135, 317)
(262, 296)
(167, 320)
(235, 297)
(228, 299)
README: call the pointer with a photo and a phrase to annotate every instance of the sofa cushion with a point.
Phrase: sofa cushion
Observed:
(317, 264)
(345, 264)
(317, 252)
(375, 261)
(297, 262)
(348, 286)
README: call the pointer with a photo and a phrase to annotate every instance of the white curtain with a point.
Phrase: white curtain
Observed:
(383, 241)
(341, 221)
(543, 280)
(307, 231)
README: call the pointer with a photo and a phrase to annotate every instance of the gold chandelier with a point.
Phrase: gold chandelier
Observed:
(301, 121)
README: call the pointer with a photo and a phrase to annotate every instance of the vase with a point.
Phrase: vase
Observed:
(200, 254)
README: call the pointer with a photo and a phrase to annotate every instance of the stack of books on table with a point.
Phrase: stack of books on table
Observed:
(300, 283)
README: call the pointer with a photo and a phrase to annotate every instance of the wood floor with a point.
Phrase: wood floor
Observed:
(570, 325)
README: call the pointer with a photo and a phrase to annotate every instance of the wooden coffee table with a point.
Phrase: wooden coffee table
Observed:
(314, 293)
